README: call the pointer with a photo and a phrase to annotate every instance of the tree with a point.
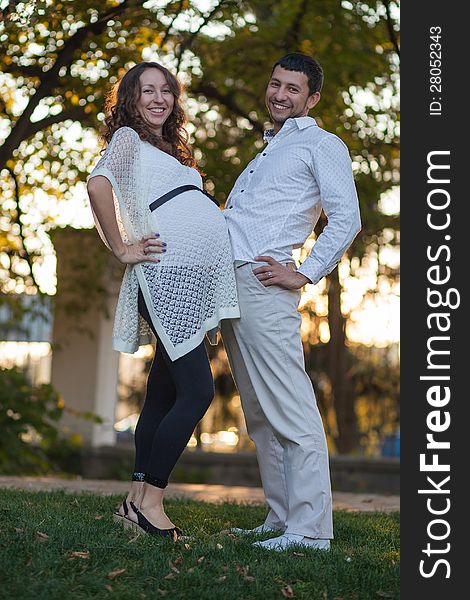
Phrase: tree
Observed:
(60, 57)
(357, 45)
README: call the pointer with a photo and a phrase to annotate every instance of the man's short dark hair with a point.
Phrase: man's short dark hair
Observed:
(296, 61)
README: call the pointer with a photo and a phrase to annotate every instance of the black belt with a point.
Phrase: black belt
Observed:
(179, 190)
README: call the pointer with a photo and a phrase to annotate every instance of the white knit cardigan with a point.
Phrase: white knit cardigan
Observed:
(193, 287)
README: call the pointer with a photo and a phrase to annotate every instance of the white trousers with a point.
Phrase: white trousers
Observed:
(265, 353)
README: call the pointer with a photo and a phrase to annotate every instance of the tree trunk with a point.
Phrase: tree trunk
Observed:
(197, 435)
(347, 440)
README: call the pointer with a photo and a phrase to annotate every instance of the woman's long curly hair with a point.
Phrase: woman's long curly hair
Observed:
(121, 111)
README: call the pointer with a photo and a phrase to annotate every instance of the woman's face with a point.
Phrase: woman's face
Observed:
(156, 100)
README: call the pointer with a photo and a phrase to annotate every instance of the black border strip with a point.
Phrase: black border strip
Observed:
(434, 234)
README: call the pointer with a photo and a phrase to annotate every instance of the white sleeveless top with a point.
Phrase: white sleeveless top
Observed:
(193, 287)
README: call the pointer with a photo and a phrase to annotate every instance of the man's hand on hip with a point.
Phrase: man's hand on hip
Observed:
(276, 273)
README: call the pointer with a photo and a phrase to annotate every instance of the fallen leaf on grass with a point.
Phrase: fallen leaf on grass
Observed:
(85, 554)
(287, 591)
(219, 546)
(170, 576)
(228, 533)
(108, 587)
(41, 537)
(298, 553)
(190, 570)
(200, 559)
(222, 578)
(116, 573)
(384, 594)
(187, 547)
(19, 530)
(98, 517)
(243, 571)
(78, 554)
(177, 561)
(162, 592)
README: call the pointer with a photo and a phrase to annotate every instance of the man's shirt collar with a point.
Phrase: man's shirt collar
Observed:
(300, 122)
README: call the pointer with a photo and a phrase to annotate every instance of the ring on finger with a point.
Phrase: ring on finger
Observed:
(270, 274)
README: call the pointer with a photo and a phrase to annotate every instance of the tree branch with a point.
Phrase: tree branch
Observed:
(23, 253)
(293, 35)
(390, 28)
(23, 70)
(75, 113)
(210, 91)
(188, 42)
(170, 25)
(6, 11)
(50, 79)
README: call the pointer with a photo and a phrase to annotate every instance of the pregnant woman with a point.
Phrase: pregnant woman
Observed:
(149, 208)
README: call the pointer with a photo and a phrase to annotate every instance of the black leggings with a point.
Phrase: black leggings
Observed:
(178, 394)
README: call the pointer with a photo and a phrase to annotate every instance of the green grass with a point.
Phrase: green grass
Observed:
(363, 563)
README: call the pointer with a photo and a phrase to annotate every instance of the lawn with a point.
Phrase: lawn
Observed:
(58, 546)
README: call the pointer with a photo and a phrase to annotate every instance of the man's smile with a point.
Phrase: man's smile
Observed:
(278, 106)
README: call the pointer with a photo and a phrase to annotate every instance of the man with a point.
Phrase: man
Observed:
(272, 209)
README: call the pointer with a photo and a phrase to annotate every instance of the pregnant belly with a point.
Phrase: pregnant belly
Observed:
(193, 228)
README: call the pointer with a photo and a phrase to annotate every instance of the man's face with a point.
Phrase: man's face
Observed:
(287, 95)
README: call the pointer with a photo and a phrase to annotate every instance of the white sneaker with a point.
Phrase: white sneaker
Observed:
(263, 528)
(293, 540)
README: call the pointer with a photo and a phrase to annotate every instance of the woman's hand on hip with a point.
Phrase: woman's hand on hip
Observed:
(147, 250)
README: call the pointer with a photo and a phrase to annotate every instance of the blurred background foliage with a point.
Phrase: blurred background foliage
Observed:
(61, 57)
(32, 441)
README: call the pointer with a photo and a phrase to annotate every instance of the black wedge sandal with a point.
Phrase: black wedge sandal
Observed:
(174, 533)
(124, 519)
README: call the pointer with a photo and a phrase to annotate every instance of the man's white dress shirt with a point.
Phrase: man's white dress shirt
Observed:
(277, 200)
